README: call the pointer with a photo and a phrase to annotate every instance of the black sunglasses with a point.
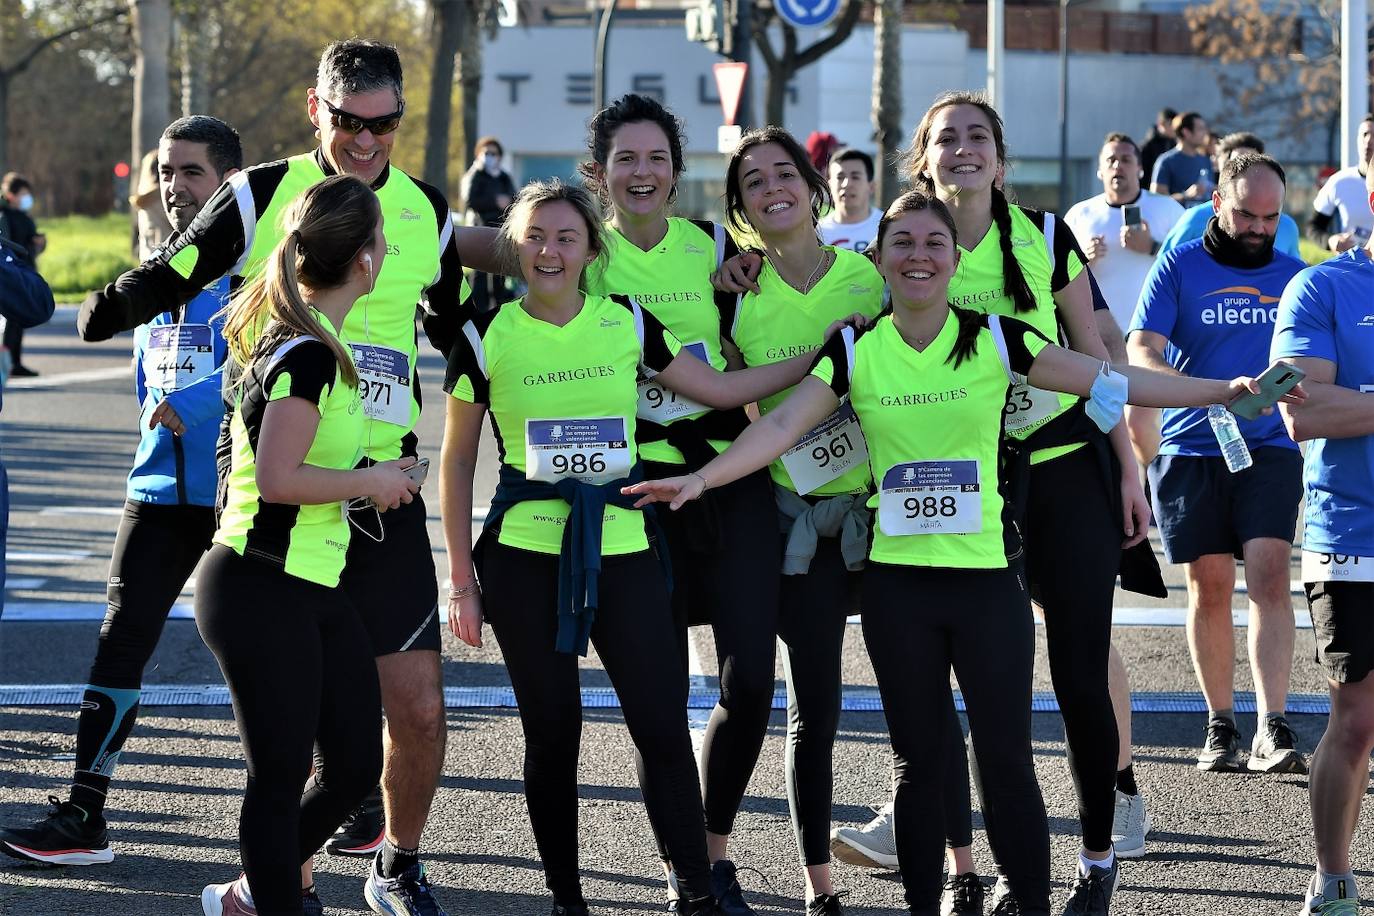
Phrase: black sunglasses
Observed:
(354, 124)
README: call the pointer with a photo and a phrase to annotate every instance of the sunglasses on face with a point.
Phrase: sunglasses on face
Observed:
(354, 124)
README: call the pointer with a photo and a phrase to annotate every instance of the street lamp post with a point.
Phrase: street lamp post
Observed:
(603, 38)
(1063, 105)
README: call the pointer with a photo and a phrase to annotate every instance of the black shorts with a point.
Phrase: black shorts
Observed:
(1343, 625)
(1202, 508)
(392, 583)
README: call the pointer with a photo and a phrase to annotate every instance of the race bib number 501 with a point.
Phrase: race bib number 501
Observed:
(931, 497)
(1336, 567)
(592, 450)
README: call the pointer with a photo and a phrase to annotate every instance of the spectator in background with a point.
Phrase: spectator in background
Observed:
(853, 223)
(1340, 213)
(1158, 141)
(1121, 254)
(25, 301)
(1194, 221)
(151, 227)
(487, 191)
(17, 226)
(1185, 172)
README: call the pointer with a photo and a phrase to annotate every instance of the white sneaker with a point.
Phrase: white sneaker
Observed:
(1130, 824)
(871, 846)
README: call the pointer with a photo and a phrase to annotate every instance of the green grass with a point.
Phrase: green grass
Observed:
(84, 253)
(1311, 252)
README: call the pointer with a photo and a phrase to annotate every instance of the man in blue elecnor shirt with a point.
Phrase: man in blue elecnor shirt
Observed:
(1194, 220)
(1208, 309)
(169, 514)
(1326, 327)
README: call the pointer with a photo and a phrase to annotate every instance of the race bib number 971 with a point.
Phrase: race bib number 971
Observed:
(383, 383)
(663, 405)
(592, 450)
(931, 497)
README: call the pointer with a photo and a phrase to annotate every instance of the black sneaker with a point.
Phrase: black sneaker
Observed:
(725, 888)
(1221, 751)
(67, 836)
(963, 894)
(572, 909)
(1007, 906)
(310, 903)
(1275, 749)
(26, 372)
(362, 832)
(1091, 894)
(824, 905)
(706, 906)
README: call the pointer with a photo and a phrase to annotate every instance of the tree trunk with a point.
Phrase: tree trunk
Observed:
(887, 95)
(193, 49)
(152, 33)
(447, 34)
(470, 76)
(4, 122)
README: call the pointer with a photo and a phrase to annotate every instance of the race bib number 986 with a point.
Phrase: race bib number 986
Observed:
(592, 450)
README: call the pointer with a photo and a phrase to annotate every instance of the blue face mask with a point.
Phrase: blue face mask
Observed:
(1107, 400)
(25, 201)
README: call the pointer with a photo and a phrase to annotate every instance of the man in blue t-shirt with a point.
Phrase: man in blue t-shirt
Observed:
(1185, 172)
(1326, 327)
(1208, 309)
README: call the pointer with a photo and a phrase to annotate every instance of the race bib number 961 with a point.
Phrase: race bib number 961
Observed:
(827, 452)
(931, 497)
(592, 450)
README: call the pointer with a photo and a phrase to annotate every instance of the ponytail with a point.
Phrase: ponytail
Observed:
(1013, 280)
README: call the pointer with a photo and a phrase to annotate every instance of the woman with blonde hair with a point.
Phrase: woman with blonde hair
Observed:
(292, 648)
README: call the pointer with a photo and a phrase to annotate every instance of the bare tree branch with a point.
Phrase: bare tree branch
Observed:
(22, 64)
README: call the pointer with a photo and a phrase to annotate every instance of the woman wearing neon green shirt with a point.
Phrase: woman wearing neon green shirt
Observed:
(820, 486)
(564, 559)
(929, 384)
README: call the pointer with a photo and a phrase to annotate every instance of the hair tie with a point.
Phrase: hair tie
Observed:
(300, 242)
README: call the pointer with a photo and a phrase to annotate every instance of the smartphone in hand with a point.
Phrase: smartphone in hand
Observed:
(1277, 380)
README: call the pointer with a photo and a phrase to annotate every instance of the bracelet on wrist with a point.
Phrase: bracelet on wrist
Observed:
(704, 485)
(464, 591)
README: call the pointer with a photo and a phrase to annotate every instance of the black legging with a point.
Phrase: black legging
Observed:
(733, 583)
(634, 638)
(1073, 551)
(811, 623)
(301, 673)
(918, 623)
(155, 551)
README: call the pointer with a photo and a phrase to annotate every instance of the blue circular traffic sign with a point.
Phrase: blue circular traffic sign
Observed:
(807, 14)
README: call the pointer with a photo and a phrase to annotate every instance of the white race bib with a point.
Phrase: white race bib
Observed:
(1028, 406)
(931, 497)
(593, 450)
(663, 405)
(383, 383)
(1336, 567)
(833, 447)
(177, 355)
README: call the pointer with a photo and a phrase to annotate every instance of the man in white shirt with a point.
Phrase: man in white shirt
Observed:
(853, 223)
(1120, 254)
(1341, 219)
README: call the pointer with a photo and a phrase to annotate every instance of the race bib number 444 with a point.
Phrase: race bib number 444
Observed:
(825, 453)
(383, 383)
(931, 497)
(592, 450)
(177, 355)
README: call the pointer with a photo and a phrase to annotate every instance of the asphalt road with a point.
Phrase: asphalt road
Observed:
(1222, 844)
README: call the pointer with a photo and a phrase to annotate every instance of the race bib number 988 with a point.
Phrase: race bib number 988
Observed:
(931, 497)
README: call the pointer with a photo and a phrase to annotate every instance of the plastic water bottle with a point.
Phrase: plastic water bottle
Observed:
(1233, 447)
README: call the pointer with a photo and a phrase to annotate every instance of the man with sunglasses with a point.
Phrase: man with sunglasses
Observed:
(356, 107)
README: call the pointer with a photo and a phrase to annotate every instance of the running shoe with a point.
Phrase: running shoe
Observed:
(1221, 751)
(572, 909)
(725, 888)
(407, 894)
(230, 899)
(1318, 904)
(66, 836)
(824, 905)
(1007, 906)
(311, 904)
(1091, 894)
(1275, 749)
(963, 894)
(1001, 892)
(873, 845)
(1130, 824)
(363, 831)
